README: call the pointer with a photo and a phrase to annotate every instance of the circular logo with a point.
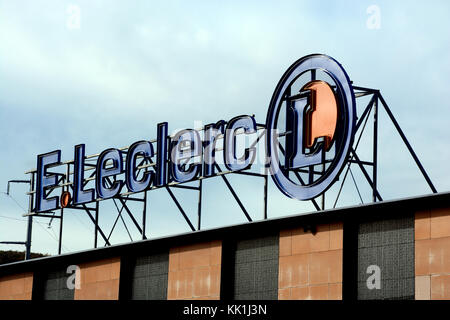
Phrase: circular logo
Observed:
(319, 120)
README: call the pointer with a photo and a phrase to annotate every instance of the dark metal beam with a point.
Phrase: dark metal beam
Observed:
(185, 187)
(253, 174)
(121, 217)
(80, 208)
(60, 231)
(234, 193)
(366, 89)
(365, 113)
(46, 216)
(365, 118)
(375, 148)
(199, 207)
(144, 216)
(123, 202)
(13, 242)
(130, 214)
(180, 208)
(114, 224)
(30, 221)
(97, 227)
(366, 163)
(314, 202)
(410, 149)
(366, 174)
(15, 181)
(265, 191)
(134, 199)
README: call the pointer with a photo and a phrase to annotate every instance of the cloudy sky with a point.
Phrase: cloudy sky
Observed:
(104, 73)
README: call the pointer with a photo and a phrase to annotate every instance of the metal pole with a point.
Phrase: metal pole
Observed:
(200, 192)
(62, 211)
(15, 181)
(323, 201)
(130, 214)
(366, 111)
(28, 242)
(234, 194)
(12, 242)
(30, 221)
(265, 191)
(199, 210)
(180, 208)
(353, 152)
(375, 149)
(144, 216)
(300, 179)
(323, 171)
(411, 151)
(60, 231)
(86, 209)
(96, 224)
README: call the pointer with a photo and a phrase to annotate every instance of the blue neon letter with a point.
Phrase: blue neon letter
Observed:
(144, 148)
(211, 133)
(45, 180)
(231, 161)
(103, 173)
(161, 155)
(79, 195)
(295, 150)
(186, 145)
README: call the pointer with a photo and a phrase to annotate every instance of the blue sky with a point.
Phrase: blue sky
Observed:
(131, 65)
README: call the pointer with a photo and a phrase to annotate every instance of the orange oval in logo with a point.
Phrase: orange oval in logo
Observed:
(65, 199)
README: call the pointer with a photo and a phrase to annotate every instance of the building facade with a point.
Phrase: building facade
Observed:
(387, 250)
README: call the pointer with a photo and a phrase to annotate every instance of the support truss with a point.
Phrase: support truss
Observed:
(92, 210)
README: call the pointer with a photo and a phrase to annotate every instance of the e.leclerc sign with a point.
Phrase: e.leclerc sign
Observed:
(319, 128)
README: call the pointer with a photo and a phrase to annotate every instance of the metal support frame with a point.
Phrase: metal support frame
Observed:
(121, 200)
(27, 242)
(408, 145)
(354, 158)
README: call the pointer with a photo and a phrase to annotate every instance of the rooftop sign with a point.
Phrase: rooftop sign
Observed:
(318, 119)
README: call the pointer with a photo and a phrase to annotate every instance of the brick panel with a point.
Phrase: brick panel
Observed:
(423, 287)
(99, 280)
(440, 223)
(440, 287)
(194, 271)
(310, 265)
(16, 287)
(432, 254)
